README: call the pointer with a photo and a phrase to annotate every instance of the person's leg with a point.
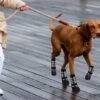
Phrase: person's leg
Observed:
(1, 65)
(3, 41)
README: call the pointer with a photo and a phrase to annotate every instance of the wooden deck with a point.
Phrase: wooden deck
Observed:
(26, 74)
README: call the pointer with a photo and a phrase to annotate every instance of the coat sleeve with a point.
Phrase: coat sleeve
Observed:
(14, 4)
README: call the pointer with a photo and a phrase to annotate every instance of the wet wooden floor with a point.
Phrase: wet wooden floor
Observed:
(26, 74)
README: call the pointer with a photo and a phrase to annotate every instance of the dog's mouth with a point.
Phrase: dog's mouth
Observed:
(94, 36)
(98, 35)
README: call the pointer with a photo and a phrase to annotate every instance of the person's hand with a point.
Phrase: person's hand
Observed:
(23, 8)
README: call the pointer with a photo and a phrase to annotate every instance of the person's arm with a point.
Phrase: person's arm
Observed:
(14, 4)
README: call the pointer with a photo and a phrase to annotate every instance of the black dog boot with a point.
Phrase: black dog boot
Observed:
(53, 67)
(74, 85)
(89, 74)
(64, 78)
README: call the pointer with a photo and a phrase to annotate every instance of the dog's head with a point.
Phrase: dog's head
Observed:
(91, 28)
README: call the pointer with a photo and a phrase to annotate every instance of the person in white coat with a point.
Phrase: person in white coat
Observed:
(14, 4)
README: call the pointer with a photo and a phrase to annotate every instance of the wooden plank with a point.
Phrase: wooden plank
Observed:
(26, 74)
(42, 86)
(14, 90)
(10, 96)
(43, 79)
(28, 88)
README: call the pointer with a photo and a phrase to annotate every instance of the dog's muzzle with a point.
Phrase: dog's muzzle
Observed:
(98, 35)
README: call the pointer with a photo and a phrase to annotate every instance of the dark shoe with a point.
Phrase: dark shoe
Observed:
(1, 92)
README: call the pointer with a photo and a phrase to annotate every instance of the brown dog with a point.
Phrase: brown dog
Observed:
(74, 41)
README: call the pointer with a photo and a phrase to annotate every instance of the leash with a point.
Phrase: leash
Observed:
(9, 17)
(39, 12)
(46, 15)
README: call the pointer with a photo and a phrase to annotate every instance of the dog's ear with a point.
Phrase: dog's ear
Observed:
(85, 30)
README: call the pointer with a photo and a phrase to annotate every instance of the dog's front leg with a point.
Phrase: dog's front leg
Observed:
(74, 85)
(90, 71)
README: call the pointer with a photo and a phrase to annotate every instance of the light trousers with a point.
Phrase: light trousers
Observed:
(1, 59)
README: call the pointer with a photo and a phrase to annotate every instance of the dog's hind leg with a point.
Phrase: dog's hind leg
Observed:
(90, 71)
(64, 78)
(56, 49)
(74, 84)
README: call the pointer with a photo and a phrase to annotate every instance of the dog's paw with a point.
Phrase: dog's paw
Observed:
(53, 73)
(75, 89)
(65, 82)
(88, 76)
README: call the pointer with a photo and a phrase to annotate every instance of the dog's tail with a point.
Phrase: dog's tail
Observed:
(51, 24)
